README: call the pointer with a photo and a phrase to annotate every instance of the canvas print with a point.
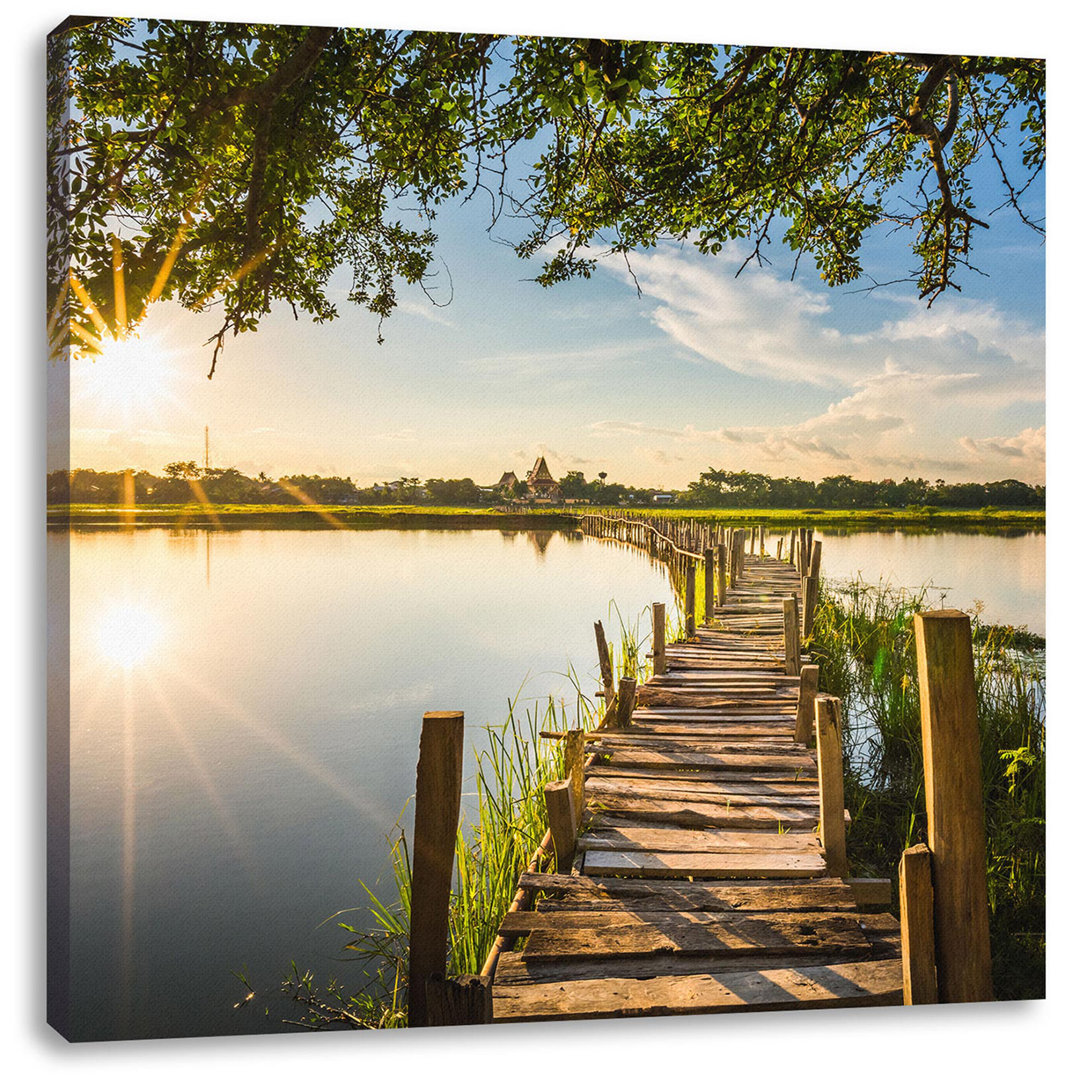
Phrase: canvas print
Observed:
(539, 528)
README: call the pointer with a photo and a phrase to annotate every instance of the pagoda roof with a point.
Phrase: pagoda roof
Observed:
(540, 472)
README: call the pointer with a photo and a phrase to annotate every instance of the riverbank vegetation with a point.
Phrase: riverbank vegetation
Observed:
(185, 484)
(863, 639)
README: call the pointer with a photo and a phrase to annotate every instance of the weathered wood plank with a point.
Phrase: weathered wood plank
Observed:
(749, 758)
(635, 894)
(751, 864)
(637, 838)
(601, 934)
(809, 986)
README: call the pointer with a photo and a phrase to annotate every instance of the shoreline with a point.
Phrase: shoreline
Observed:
(239, 515)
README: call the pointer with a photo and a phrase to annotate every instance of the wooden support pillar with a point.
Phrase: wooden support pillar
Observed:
(815, 560)
(956, 831)
(779, 548)
(625, 707)
(831, 784)
(791, 548)
(438, 802)
(804, 712)
(691, 597)
(791, 636)
(710, 586)
(809, 597)
(574, 767)
(721, 575)
(605, 664)
(562, 820)
(464, 999)
(917, 927)
(659, 639)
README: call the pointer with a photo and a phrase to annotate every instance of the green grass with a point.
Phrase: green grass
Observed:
(927, 517)
(863, 640)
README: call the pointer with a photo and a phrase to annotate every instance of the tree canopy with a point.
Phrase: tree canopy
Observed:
(240, 165)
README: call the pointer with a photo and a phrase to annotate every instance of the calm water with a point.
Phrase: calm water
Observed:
(245, 710)
(1003, 576)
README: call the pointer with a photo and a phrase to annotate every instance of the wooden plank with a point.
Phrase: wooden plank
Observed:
(873, 982)
(568, 892)
(601, 934)
(700, 865)
(683, 812)
(749, 758)
(768, 776)
(702, 840)
(731, 794)
(871, 892)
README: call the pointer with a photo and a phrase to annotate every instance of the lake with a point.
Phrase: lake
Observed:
(245, 712)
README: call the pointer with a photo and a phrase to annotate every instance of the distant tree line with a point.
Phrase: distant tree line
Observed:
(718, 487)
(185, 481)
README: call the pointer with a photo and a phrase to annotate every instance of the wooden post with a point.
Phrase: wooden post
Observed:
(559, 799)
(574, 767)
(953, 783)
(465, 999)
(691, 597)
(779, 548)
(791, 548)
(810, 591)
(815, 560)
(710, 586)
(791, 636)
(605, 664)
(917, 927)
(438, 801)
(625, 707)
(831, 784)
(659, 639)
(721, 575)
(804, 711)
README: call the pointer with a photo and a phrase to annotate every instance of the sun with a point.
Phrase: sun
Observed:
(127, 384)
(128, 633)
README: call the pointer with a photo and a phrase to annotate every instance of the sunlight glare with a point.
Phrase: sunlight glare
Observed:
(128, 382)
(128, 633)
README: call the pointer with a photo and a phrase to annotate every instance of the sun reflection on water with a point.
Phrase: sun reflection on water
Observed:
(128, 633)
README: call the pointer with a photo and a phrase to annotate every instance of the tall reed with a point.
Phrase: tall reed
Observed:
(863, 640)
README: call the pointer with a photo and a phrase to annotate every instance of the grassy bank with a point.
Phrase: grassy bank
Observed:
(252, 515)
(921, 517)
(863, 639)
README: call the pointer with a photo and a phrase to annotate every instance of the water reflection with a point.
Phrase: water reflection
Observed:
(245, 707)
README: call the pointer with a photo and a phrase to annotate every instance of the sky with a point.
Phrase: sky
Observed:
(704, 369)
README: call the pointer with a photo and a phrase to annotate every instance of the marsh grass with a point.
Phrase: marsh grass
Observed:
(863, 640)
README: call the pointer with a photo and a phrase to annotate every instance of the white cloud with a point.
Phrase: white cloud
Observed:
(928, 389)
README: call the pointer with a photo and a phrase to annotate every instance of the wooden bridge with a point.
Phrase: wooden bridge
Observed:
(699, 840)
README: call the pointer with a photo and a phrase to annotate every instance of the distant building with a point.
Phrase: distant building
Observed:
(542, 485)
(507, 483)
(662, 497)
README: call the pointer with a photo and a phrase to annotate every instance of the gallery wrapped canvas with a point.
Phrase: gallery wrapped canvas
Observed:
(539, 527)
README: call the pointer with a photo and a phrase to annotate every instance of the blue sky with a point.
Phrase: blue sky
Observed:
(702, 370)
